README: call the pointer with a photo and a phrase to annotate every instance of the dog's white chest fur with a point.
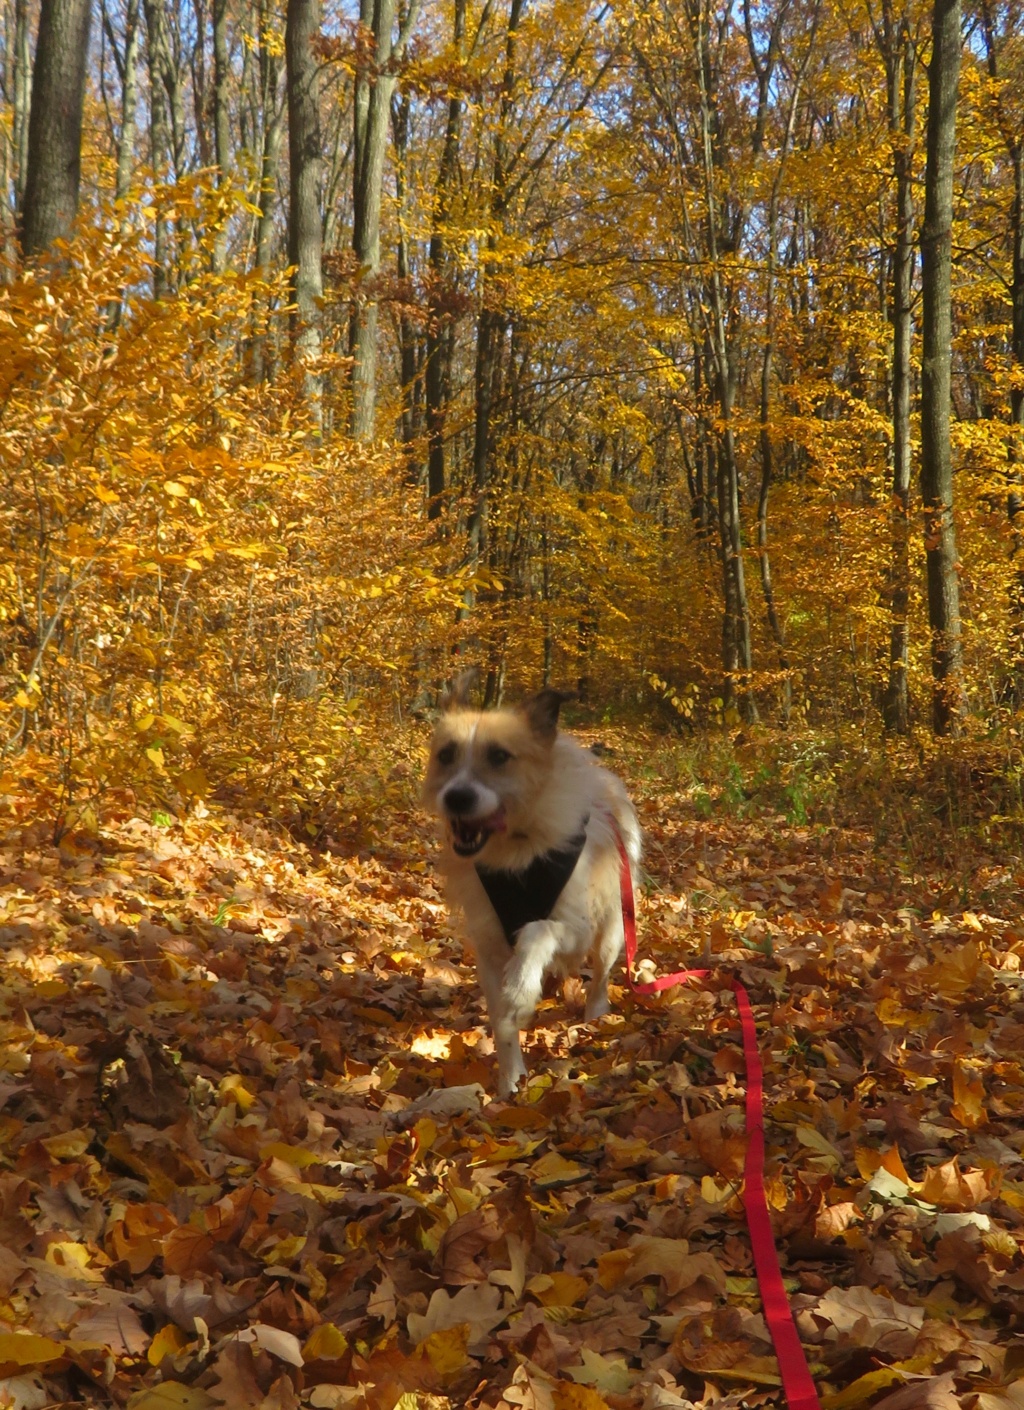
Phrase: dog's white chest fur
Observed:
(511, 789)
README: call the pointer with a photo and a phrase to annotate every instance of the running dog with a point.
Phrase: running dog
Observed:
(531, 856)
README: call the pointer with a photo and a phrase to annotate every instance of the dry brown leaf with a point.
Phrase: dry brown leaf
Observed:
(721, 1141)
(478, 1307)
(926, 1393)
(949, 1186)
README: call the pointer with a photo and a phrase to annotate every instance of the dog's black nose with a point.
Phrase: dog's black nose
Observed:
(460, 800)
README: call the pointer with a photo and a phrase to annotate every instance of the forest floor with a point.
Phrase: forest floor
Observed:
(247, 1155)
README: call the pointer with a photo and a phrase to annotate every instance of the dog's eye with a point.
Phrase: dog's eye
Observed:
(446, 754)
(498, 756)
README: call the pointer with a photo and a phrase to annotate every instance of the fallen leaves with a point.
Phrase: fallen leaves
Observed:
(255, 1163)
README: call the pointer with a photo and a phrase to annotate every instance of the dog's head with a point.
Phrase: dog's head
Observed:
(487, 767)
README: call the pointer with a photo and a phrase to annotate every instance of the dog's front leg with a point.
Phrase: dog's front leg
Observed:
(603, 956)
(536, 946)
(504, 1027)
(511, 1067)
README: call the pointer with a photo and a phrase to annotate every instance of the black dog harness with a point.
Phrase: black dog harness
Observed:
(519, 897)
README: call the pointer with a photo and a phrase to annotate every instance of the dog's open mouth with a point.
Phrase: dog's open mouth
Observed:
(470, 834)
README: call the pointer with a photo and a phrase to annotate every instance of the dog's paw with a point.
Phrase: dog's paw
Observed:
(511, 1075)
(508, 1086)
(521, 992)
(597, 1006)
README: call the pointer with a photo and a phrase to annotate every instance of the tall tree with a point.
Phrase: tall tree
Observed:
(713, 218)
(522, 190)
(409, 343)
(305, 231)
(898, 45)
(271, 113)
(168, 80)
(375, 84)
(55, 124)
(127, 62)
(221, 127)
(764, 66)
(22, 98)
(440, 332)
(157, 56)
(493, 320)
(1006, 70)
(936, 370)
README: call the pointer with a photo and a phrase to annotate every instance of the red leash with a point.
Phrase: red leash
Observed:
(797, 1385)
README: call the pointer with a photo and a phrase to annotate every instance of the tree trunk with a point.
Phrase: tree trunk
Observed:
(272, 111)
(408, 339)
(699, 461)
(764, 71)
(1008, 112)
(159, 143)
(221, 129)
(437, 376)
(737, 657)
(22, 99)
(202, 103)
(129, 100)
(165, 75)
(375, 84)
(901, 61)
(736, 648)
(126, 137)
(936, 372)
(370, 112)
(304, 223)
(1014, 499)
(55, 125)
(489, 338)
(492, 322)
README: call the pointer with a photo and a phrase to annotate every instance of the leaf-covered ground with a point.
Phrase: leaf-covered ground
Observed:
(247, 1156)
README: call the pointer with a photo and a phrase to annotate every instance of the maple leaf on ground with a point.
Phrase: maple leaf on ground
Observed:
(566, 1396)
(660, 1397)
(19, 1349)
(479, 1307)
(284, 1345)
(24, 1393)
(115, 1326)
(445, 1103)
(923, 1393)
(601, 1372)
(1011, 1397)
(513, 1277)
(382, 1301)
(948, 1185)
(857, 1316)
(234, 1385)
(446, 1350)
(721, 1141)
(185, 1300)
(172, 1395)
(529, 1391)
(669, 1260)
(463, 1241)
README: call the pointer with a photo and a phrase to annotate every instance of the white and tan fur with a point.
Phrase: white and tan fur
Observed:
(510, 787)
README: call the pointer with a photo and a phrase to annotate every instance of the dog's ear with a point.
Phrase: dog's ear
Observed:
(541, 710)
(456, 695)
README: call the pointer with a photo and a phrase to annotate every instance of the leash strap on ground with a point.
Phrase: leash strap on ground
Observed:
(797, 1384)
